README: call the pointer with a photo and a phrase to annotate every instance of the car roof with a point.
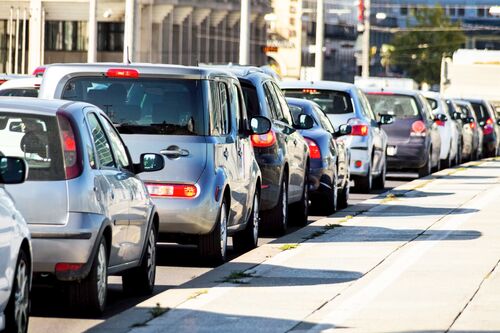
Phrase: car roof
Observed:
(392, 91)
(300, 101)
(324, 85)
(431, 94)
(142, 68)
(30, 82)
(34, 105)
(250, 73)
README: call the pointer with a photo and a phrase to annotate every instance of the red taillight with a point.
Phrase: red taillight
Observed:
(418, 128)
(360, 130)
(186, 191)
(488, 126)
(264, 140)
(440, 122)
(2, 81)
(122, 73)
(66, 267)
(489, 121)
(39, 71)
(309, 91)
(314, 151)
(473, 125)
(70, 148)
(358, 164)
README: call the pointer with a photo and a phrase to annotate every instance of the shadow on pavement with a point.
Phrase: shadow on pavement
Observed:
(419, 194)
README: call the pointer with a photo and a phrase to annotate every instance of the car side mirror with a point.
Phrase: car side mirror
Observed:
(470, 120)
(440, 117)
(498, 121)
(260, 125)
(150, 162)
(386, 119)
(456, 116)
(13, 170)
(305, 122)
(344, 129)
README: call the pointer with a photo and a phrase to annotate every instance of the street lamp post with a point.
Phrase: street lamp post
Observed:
(92, 31)
(244, 33)
(320, 39)
(365, 56)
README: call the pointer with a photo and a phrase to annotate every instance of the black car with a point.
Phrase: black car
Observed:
(282, 154)
(329, 168)
(414, 141)
(491, 130)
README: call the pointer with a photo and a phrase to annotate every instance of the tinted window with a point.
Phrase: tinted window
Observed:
(400, 106)
(251, 99)
(101, 143)
(324, 120)
(480, 111)
(21, 92)
(274, 102)
(145, 105)
(365, 105)
(117, 144)
(219, 109)
(236, 107)
(432, 102)
(287, 117)
(36, 139)
(330, 101)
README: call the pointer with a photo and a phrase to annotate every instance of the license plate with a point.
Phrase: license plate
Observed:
(392, 150)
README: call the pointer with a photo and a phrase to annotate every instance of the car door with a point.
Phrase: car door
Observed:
(112, 189)
(378, 136)
(139, 207)
(433, 128)
(7, 233)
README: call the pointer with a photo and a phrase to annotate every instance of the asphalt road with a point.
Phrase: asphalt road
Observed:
(176, 265)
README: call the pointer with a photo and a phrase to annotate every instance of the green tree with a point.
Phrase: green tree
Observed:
(418, 52)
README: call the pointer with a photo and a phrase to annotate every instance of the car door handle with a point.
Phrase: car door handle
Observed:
(240, 151)
(112, 195)
(226, 154)
(295, 141)
(174, 152)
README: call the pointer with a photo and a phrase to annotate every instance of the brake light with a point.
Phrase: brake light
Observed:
(66, 267)
(418, 128)
(72, 163)
(314, 151)
(440, 122)
(473, 125)
(122, 73)
(39, 71)
(264, 140)
(358, 127)
(489, 121)
(309, 91)
(186, 191)
(2, 81)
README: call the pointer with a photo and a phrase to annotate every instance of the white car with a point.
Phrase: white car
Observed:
(450, 134)
(15, 252)
(23, 87)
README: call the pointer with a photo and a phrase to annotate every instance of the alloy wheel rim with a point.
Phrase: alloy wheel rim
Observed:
(21, 297)
(306, 197)
(256, 219)
(101, 275)
(223, 231)
(151, 252)
(285, 204)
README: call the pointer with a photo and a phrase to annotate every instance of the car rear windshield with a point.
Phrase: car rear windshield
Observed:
(36, 139)
(330, 101)
(480, 110)
(145, 105)
(400, 106)
(21, 92)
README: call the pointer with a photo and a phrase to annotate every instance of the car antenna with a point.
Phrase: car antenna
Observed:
(128, 56)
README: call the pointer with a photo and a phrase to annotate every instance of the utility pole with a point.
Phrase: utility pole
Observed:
(245, 33)
(92, 31)
(320, 39)
(128, 45)
(365, 56)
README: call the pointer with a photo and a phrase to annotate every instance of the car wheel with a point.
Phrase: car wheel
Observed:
(141, 280)
(17, 310)
(276, 219)
(364, 184)
(247, 239)
(90, 294)
(300, 211)
(213, 246)
(426, 169)
(458, 155)
(379, 182)
(343, 200)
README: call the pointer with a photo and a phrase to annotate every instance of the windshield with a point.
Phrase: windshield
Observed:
(400, 106)
(145, 105)
(36, 139)
(330, 101)
(22, 92)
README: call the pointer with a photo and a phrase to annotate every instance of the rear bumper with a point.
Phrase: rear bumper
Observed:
(360, 154)
(408, 156)
(271, 168)
(71, 243)
(489, 142)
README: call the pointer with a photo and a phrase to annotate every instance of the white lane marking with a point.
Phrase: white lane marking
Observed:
(354, 304)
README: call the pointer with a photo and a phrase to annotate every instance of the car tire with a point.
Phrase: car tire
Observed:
(140, 281)
(248, 238)
(300, 210)
(379, 181)
(343, 199)
(364, 184)
(426, 169)
(458, 155)
(90, 294)
(276, 219)
(17, 310)
(438, 166)
(213, 246)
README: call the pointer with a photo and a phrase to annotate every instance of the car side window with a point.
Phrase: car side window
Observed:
(270, 102)
(325, 122)
(101, 143)
(287, 117)
(238, 106)
(117, 144)
(219, 109)
(426, 108)
(366, 105)
(224, 107)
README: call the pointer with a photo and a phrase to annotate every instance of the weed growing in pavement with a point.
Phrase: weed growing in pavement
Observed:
(158, 310)
(331, 226)
(286, 247)
(237, 276)
(198, 293)
(139, 324)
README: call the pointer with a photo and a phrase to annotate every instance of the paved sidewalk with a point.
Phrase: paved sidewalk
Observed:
(423, 259)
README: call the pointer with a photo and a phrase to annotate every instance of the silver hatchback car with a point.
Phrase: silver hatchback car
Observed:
(88, 213)
(194, 117)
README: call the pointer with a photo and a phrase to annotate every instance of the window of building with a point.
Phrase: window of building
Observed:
(403, 10)
(480, 12)
(461, 11)
(452, 11)
(110, 36)
(66, 36)
(292, 21)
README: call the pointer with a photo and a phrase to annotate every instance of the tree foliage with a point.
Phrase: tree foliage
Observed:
(418, 53)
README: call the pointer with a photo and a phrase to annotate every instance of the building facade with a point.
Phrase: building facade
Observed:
(184, 32)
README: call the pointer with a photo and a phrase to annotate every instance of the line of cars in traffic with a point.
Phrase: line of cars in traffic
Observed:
(119, 156)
